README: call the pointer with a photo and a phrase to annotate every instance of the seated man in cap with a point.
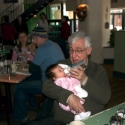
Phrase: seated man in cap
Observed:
(47, 53)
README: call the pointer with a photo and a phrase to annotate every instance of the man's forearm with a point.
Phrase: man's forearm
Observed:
(53, 91)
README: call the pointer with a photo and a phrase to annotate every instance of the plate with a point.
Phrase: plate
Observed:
(24, 69)
(18, 62)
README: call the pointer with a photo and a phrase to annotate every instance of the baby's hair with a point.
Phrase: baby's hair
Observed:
(49, 73)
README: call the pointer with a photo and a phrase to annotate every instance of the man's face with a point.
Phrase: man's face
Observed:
(42, 17)
(79, 52)
(37, 40)
(59, 72)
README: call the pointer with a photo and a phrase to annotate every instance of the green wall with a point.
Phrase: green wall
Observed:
(31, 23)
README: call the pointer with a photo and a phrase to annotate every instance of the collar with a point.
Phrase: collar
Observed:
(86, 64)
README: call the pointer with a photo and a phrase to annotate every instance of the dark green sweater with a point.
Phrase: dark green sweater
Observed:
(34, 69)
(97, 86)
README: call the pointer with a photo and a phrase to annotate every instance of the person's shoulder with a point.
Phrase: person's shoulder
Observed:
(2, 24)
(11, 24)
(51, 44)
(45, 47)
(39, 20)
(95, 66)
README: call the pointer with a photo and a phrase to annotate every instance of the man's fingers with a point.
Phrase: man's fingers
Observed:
(75, 104)
(81, 109)
(80, 68)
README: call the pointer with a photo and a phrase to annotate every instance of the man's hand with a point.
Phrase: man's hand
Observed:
(32, 48)
(74, 103)
(78, 73)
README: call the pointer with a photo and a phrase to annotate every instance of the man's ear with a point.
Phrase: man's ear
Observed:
(89, 50)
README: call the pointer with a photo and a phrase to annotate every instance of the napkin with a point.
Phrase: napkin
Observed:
(24, 73)
(82, 116)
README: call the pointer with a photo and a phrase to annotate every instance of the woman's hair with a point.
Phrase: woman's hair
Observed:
(49, 73)
(43, 14)
(19, 46)
(80, 35)
(22, 31)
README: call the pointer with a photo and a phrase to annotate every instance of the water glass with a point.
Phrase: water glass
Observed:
(22, 59)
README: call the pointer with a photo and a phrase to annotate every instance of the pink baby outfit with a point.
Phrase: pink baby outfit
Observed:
(17, 54)
(73, 85)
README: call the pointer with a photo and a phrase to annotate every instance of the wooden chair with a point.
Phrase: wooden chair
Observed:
(3, 105)
(39, 99)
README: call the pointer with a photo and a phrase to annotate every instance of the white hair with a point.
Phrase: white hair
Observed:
(80, 35)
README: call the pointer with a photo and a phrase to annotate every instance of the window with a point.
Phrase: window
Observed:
(55, 11)
(116, 19)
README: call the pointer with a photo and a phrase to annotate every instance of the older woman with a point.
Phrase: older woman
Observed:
(21, 52)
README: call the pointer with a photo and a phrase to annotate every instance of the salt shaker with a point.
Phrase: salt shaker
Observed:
(14, 67)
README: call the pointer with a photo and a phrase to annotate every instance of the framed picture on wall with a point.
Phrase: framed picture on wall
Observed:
(10, 1)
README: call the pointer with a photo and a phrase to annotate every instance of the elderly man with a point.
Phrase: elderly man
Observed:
(93, 79)
(47, 53)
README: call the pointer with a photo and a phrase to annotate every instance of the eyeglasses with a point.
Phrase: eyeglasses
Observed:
(78, 51)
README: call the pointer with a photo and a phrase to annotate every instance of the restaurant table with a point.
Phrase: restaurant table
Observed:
(9, 79)
(103, 118)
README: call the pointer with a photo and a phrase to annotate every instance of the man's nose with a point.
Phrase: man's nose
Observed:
(74, 54)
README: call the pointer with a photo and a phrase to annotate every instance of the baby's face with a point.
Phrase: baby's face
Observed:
(59, 72)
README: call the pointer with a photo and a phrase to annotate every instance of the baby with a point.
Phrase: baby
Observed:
(60, 74)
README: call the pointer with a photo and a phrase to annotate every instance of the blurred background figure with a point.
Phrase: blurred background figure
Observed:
(20, 25)
(64, 34)
(115, 29)
(42, 22)
(21, 52)
(2, 21)
(8, 32)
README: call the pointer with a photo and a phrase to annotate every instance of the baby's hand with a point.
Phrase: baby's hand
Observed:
(32, 47)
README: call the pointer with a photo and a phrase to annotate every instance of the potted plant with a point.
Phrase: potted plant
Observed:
(112, 38)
